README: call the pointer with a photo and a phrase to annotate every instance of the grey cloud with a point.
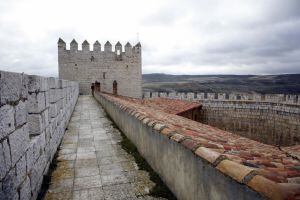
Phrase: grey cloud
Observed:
(265, 42)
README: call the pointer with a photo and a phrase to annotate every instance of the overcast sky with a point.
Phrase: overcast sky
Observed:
(177, 36)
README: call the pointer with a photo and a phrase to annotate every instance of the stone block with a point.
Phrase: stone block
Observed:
(24, 87)
(59, 104)
(41, 142)
(19, 142)
(53, 82)
(7, 121)
(25, 190)
(4, 158)
(10, 87)
(45, 116)
(59, 94)
(37, 149)
(34, 177)
(21, 113)
(10, 185)
(35, 123)
(53, 95)
(37, 84)
(21, 170)
(47, 134)
(37, 173)
(62, 83)
(30, 156)
(36, 102)
(53, 110)
(47, 99)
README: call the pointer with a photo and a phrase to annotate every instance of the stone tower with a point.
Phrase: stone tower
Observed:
(117, 71)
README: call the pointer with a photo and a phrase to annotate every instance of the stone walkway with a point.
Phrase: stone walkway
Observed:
(91, 164)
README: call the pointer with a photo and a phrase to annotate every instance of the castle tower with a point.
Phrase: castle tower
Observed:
(110, 68)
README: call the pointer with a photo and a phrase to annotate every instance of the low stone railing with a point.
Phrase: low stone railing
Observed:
(34, 113)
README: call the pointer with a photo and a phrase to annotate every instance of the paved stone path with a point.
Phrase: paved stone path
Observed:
(91, 163)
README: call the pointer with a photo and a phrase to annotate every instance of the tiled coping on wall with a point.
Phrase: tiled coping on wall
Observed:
(266, 170)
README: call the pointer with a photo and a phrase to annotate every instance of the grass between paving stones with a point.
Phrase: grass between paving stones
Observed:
(160, 189)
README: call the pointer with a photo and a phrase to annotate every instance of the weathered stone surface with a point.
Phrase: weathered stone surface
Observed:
(36, 102)
(47, 99)
(53, 82)
(25, 189)
(21, 113)
(53, 110)
(18, 141)
(53, 95)
(37, 84)
(7, 121)
(30, 157)
(35, 123)
(92, 193)
(21, 170)
(4, 158)
(10, 185)
(24, 160)
(45, 117)
(24, 88)
(97, 162)
(10, 87)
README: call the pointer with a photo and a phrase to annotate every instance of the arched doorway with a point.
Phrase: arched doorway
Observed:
(115, 87)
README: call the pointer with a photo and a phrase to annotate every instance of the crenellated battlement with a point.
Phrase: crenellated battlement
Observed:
(108, 47)
(255, 97)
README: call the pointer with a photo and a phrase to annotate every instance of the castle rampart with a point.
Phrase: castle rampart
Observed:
(270, 118)
(34, 113)
(106, 67)
(198, 161)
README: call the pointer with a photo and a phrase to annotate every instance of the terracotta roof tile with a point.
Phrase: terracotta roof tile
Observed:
(272, 164)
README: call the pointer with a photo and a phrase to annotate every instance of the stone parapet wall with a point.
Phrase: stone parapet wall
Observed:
(267, 122)
(34, 113)
(198, 161)
(270, 118)
(187, 176)
(192, 96)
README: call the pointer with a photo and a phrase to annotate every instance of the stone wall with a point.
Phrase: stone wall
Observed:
(34, 113)
(270, 118)
(188, 175)
(192, 96)
(106, 66)
(267, 122)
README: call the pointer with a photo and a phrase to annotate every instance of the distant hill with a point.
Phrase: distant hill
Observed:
(285, 84)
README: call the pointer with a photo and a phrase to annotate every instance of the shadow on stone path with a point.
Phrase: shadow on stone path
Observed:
(91, 164)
